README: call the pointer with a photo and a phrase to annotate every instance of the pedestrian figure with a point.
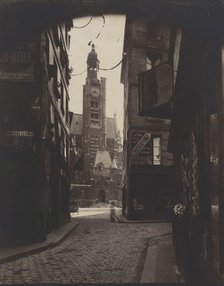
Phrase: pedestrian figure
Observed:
(74, 206)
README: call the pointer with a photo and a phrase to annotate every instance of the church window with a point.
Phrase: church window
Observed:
(94, 104)
(94, 116)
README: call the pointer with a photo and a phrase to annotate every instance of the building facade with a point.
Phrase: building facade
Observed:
(97, 142)
(196, 139)
(34, 144)
(149, 175)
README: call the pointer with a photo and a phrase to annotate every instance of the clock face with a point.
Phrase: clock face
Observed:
(95, 91)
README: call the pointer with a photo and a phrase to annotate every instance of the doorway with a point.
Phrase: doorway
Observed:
(102, 196)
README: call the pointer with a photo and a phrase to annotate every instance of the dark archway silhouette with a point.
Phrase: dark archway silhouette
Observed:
(25, 18)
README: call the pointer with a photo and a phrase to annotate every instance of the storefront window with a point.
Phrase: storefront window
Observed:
(156, 151)
(214, 191)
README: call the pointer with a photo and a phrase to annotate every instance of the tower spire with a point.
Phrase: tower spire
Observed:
(92, 63)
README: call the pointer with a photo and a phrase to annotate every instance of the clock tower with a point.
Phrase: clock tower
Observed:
(94, 112)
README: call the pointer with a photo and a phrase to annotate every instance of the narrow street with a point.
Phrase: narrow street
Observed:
(97, 251)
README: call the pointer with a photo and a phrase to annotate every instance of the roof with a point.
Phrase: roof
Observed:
(104, 158)
(76, 125)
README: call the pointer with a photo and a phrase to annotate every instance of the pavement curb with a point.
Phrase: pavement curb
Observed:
(123, 220)
(49, 243)
(159, 266)
(175, 276)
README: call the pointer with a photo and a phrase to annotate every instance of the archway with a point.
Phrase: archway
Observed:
(20, 18)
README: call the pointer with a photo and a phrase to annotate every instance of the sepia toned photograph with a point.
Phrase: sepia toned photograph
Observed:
(111, 142)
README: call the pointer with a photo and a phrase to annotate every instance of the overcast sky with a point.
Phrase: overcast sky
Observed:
(107, 34)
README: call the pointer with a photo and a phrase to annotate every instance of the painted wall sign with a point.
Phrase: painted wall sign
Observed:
(141, 144)
(141, 153)
(17, 63)
(155, 87)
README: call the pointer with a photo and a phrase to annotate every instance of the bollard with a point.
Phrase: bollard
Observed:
(112, 214)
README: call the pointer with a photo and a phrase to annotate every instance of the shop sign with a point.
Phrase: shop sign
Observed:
(17, 133)
(155, 88)
(17, 63)
(17, 139)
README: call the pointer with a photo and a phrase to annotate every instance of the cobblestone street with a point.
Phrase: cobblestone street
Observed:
(97, 251)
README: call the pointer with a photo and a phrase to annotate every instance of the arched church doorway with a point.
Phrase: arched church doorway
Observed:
(102, 196)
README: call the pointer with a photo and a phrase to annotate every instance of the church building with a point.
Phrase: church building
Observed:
(97, 149)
